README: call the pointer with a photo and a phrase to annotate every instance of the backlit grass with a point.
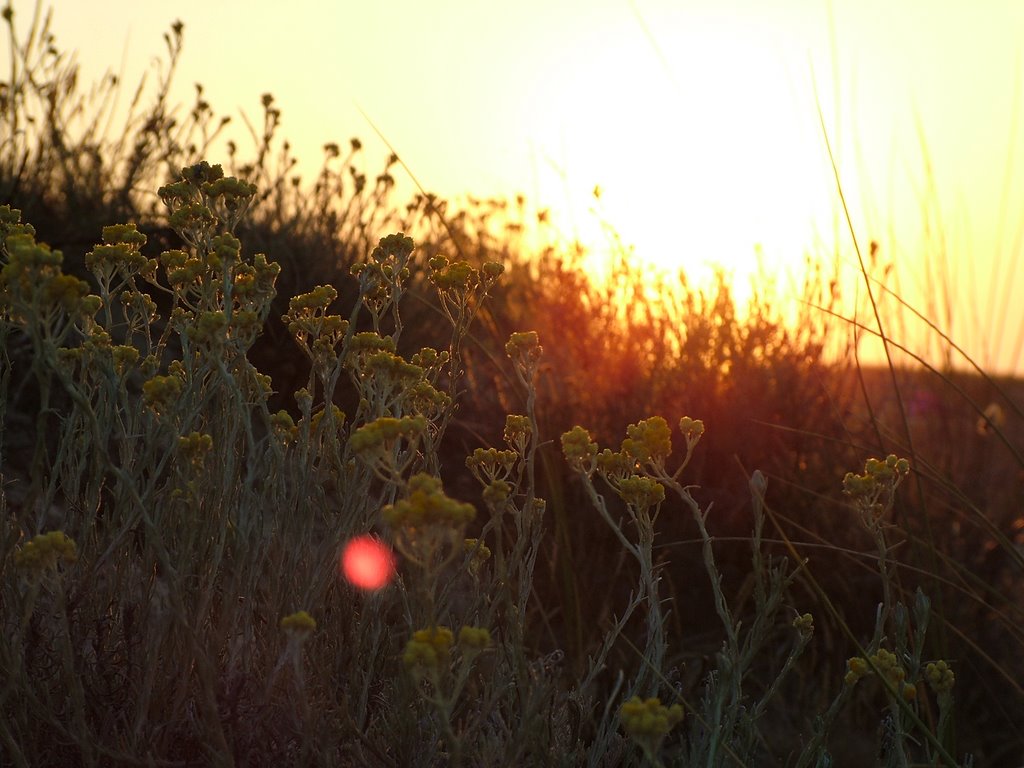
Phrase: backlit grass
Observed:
(630, 526)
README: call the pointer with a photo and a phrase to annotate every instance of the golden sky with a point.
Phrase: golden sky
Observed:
(696, 118)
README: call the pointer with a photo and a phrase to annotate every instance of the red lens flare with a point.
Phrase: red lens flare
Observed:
(367, 563)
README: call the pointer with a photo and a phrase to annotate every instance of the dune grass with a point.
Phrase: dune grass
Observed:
(192, 432)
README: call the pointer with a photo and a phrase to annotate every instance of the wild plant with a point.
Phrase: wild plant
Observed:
(191, 511)
(723, 728)
(172, 522)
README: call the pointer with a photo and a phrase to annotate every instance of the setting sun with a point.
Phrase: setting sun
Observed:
(704, 150)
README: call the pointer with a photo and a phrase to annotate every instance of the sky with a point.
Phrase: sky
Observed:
(697, 119)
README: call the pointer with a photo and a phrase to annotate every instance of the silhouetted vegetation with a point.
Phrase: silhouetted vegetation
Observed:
(775, 405)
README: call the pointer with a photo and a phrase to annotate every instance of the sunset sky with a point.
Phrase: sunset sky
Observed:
(696, 118)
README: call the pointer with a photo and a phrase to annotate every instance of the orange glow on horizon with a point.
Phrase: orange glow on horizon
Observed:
(697, 118)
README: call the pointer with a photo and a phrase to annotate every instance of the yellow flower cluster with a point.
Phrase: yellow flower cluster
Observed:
(283, 425)
(856, 668)
(460, 286)
(192, 219)
(878, 474)
(194, 447)
(303, 399)
(427, 504)
(67, 291)
(939, 676)
(449, 276)
(299, 622)
(70, 357)
(428, 649)
(245, 326)
(381, 278)
(162, 392)
(142, 302)
(479, 551)
(336, 412)
(873, 492)
(210, 328)
(517, 432)
(691, 429)
(10, 218)
(202, 173)
(256, 281)
(264, 384)
(368, 341)
(524, 347)
(96, 354)
(235, 193)
(804, 625)
(493, 270)
(497, 493)
(430, 359)
(647, 718)
(224, 254)
(306, 312)
(474, 638)
(373, 436)
(491, 463)
(204, 200)
(396, 248)
(119, 252)
(888, 666)
(452, 277)
(124, 356)
(33, 289)
(252, 284)
(45, 550)
(182, 268)
(27, 259)
(392, 366)
(126, 234)
(426, 399)
(615, 465)
(578, 448)
(33, 274)
(640, 491)
(649, 440)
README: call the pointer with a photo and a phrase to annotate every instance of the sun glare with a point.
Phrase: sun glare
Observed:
(706, 153)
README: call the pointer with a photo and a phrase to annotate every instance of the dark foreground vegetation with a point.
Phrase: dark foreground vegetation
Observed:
(190, 432)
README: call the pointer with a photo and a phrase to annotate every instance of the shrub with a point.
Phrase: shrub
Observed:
(183, 471)
(185, 603)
